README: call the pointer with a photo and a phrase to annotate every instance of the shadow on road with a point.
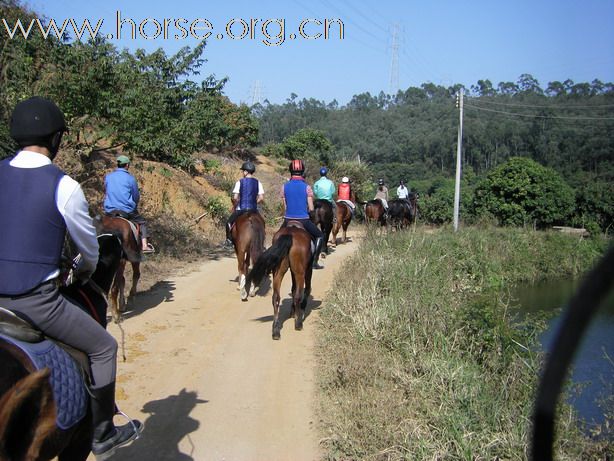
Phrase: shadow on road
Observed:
(168, 424)
(160, 292)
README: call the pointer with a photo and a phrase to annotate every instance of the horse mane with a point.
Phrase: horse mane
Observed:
(27, 417)
(269, 260)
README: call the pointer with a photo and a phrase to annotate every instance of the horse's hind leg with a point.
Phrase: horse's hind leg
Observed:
(136, 275)
(277, 277)
(244, 266)
(297, 300)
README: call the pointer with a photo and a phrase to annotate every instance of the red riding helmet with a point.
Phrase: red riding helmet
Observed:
(297, 167)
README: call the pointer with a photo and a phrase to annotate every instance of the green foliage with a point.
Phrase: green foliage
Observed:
(144, 102)
(217, 207)
(522, 192)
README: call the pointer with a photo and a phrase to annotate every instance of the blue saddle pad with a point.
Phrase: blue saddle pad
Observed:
(69, 390)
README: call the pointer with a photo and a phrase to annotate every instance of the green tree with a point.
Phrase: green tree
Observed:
(522, 192)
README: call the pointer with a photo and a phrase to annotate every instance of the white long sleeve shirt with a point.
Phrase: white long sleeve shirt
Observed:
(73, 207)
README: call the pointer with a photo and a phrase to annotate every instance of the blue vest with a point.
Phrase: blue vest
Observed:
(295, 193)
(32, 231)
(248, 194)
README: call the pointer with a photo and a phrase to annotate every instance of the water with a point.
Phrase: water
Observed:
(593, 366)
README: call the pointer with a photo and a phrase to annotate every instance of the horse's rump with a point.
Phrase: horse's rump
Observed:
(125, 230)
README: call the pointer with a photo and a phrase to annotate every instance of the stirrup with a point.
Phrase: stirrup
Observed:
(150, 249)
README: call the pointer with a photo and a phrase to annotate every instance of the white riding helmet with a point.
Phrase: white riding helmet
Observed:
(345, 179)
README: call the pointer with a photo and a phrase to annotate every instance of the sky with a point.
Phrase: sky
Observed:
(386, 44)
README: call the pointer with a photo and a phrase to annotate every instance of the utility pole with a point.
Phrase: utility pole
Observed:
(459, 147)
(394, 62)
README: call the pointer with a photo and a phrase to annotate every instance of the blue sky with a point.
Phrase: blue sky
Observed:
(443, 42)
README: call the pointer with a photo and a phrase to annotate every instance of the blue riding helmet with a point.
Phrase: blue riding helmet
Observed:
(323, 171)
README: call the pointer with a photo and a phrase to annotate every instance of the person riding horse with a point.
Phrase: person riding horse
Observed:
(39, 204)
(382, 194)
(324, 189)
(122, 199)
(246, 195)
(344, 193)
(298, 202)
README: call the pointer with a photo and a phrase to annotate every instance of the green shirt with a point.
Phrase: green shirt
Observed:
(324, 189)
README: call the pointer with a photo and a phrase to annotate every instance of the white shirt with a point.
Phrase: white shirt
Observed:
(73, 207)
(402, 192)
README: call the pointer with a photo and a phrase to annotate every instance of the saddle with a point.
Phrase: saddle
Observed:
(134, 227)
(69, 367)
(296, 223)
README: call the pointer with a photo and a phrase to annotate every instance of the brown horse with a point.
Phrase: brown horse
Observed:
(132, 253)
(291, 249)
(323, 216)
(344, 217)
(248, 238)
(28, 429)
(375, 213)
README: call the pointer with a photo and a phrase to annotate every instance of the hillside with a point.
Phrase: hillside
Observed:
(185, 212)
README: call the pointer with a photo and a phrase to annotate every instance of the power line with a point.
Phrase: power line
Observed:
(538, 116)
(593, 106)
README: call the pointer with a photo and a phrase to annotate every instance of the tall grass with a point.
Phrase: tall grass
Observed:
(419, 358)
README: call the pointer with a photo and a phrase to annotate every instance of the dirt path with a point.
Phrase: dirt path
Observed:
(204, 374)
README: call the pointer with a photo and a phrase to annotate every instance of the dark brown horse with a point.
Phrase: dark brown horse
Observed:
(291, 249)
(132, 253)
(248, 238)
(344, 217)
(28, 429)
(323, 217)
(375, 213)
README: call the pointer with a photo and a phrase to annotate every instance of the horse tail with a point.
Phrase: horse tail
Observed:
(257, 243)
(269, 260)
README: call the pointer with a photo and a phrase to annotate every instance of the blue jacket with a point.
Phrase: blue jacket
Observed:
(33, 230)
(248, 195)
(122, 192)
(295, 193)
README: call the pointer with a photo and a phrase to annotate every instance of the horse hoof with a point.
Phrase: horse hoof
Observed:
(298, 327)
(276, 336)
(243, 294)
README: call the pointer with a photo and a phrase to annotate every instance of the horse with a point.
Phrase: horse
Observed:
(291, 249)
(323, 216)
(402, 212)
(344, 217)
(28, 428)
(131, 253)
(375, 213)
(248, 238)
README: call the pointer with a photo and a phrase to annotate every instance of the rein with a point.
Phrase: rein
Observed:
(89, 304)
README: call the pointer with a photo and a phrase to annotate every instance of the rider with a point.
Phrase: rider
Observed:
(298, 202)
(41, 203)
(344, 192)
(122, 198)
(324, 189)
(382, 194)
(246, 195)
(402, 191)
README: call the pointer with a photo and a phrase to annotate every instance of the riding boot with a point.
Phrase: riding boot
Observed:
(316, 255)
(107, 436)
(228, 241)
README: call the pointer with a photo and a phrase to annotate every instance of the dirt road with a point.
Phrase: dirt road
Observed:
(204, 374)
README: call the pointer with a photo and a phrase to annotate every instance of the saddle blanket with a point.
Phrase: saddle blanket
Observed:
(69, 390)
(348, 203)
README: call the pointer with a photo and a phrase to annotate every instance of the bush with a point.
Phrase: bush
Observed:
(522, 192)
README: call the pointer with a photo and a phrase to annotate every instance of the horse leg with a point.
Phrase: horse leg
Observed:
(297, 299)
(307, 292)
(277, 277)
(136, 275)
(242, 271)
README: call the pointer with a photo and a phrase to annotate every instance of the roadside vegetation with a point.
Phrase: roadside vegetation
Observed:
(420, 357)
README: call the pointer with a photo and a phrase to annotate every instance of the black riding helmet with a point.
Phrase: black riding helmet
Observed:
(380, 182)
(35, 121)
(249, 167)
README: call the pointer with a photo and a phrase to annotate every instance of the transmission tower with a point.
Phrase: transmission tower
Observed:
(257, 93)
(394, 62)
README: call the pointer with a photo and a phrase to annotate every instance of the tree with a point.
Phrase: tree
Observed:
(521, 192)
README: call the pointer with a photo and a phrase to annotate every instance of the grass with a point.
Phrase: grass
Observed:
(419, 358)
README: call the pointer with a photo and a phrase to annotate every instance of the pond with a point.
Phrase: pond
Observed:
(593, 366)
